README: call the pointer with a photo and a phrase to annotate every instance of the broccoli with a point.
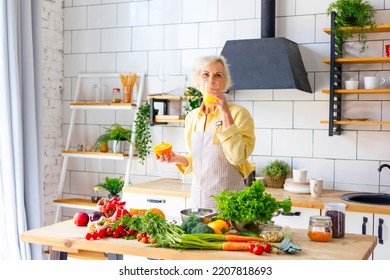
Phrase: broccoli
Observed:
(202, 228)
(189, 223)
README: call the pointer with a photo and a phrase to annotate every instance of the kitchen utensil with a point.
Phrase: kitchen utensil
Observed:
(203, 214)
(351, 84)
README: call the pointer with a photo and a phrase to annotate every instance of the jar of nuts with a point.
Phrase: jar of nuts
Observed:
(271, 232)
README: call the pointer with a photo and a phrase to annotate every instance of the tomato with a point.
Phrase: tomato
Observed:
(251, 246)
(116, 233)
(95, 235)
(144, 239)
(258, 250)
(108, 231)
(101, 233)
(88, 236)
(267, 248)
(131, 232)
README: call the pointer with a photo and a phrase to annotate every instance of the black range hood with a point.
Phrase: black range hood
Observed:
(266, 63)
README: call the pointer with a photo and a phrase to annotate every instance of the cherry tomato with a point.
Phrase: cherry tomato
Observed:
(131, 232)
(95, 235)
(101, 233)
(116, 233)
(251, 246)
(267, 248)
(258, 250)
(108, 231)
(88, 236)
(144, 239)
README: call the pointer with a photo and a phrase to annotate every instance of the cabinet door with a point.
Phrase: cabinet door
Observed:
(382, 231)
(359, 222)
(297, 218)
(171, 206)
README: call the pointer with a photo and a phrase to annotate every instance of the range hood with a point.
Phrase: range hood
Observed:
(266, 63)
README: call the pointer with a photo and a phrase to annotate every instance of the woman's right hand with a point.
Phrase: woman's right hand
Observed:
(172, 158)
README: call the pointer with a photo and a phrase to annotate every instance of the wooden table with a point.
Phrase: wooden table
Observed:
(67, 237)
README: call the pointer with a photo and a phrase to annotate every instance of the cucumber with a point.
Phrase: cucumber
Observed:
(248, 233)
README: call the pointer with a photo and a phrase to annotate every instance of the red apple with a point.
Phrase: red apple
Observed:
(81, 219)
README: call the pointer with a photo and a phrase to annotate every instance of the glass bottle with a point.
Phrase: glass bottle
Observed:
(116, 95)
(320, 228)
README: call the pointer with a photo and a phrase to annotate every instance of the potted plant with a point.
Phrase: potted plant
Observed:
(275, 173)
(143, 137)
(194, 99)
(355, 14)
(112, 185)
(119, 135)
(102, 143)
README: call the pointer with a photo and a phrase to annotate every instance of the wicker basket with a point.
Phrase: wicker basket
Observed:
(275, 182)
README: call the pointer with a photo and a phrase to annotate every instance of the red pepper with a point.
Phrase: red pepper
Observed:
(119, 212)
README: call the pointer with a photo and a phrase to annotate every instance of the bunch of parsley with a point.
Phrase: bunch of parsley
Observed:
(251, 204)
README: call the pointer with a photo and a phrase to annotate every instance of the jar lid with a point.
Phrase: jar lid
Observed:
(270, 227)
(320, 219)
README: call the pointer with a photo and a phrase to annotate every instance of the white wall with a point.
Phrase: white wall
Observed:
(138, 36)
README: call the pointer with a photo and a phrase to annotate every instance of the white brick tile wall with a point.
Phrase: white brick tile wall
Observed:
(138, 36)
(231, 9)
(291, 143)
(273, 114)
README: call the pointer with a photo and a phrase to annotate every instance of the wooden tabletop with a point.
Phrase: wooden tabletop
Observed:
(175, 187)
(67, 237)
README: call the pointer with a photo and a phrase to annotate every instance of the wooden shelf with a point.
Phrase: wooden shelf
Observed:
(168, 118)
(359, 91)
(94, 155)
(76, 203)
(356, 122)
(102, 105)
(359, 60)
(168, 97)
(378, 28)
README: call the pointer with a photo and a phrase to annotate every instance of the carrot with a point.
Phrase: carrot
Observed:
(234, 246)
(239, 238)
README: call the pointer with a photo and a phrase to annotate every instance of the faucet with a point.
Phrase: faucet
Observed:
(382, 166)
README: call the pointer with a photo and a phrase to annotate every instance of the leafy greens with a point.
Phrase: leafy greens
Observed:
(250, 204)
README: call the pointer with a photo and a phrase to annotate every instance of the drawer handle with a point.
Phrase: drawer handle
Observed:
(364, 225)
(380, 231)
(280, 212)
(156, 200)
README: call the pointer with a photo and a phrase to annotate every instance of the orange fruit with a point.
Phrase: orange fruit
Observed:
(136, 211)
(157, 211)
(162, 148)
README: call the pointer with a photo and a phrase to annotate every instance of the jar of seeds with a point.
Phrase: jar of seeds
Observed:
(336, 211)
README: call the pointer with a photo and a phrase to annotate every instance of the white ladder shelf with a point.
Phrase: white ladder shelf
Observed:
(67, 153)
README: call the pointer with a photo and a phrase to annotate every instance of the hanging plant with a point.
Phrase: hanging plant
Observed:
(351, 13)
(143, 137)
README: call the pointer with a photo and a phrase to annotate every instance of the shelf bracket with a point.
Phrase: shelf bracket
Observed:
(335, 100)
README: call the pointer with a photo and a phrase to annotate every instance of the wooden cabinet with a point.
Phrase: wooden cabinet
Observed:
(371, 224)
(297, 218)
(335, 90)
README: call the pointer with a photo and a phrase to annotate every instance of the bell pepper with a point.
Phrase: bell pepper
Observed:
(219, 226)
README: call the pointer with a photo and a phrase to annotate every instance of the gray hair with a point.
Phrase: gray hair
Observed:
(206, 60)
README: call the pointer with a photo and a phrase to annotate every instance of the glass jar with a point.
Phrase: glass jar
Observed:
(336, 211)
(271, 233)
(320, 228)
(116, 95)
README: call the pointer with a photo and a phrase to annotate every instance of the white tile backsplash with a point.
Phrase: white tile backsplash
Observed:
(101, 16)
(337, 147)
(292, 143)
(147, 38)
(232, 9)
(273, 114)
(316, 110)
(373, 145)
(133, 14)
(215, 34)
(86, 41)
(200, 10)
(298, 29)
(116, 40)
(183, 36)
(75, 18)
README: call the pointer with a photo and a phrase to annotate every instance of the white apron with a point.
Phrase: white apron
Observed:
(211, 171)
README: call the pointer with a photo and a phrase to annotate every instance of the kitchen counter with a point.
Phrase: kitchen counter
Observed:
(67, 237)
(175, 187)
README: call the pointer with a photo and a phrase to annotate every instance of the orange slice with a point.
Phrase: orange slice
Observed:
(163, 148)
(157, 211)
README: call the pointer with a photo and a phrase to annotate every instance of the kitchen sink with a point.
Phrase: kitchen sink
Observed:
(367, 198)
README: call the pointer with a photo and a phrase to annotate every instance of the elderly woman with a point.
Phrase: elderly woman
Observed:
(219, 137)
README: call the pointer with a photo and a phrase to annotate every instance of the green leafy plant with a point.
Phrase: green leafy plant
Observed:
(251, 204)
(102, 139)
(276, 168)
(112, 185)
(193, 98)
(355, 14)
(119, 133)
(143, 137)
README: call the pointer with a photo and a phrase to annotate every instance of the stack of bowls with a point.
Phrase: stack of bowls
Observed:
(297, 187)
